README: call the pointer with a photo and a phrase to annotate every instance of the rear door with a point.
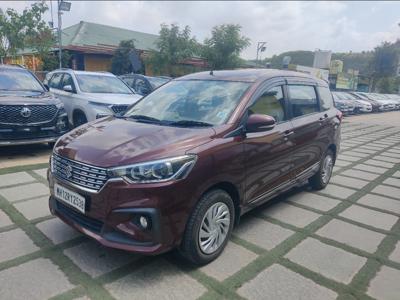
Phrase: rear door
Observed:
(310, 137)
(268, 154)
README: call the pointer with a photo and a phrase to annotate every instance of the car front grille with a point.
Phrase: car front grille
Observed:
(119, 109)
(27, 114)
(82, 220)
(83, 175)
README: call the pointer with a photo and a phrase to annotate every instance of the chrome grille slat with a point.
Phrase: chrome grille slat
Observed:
(83, 175)
(11, 114)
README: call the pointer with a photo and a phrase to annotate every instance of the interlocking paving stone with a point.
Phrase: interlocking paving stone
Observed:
(369, 217)
(36, 279)
(387, 191)
(290, 214)
(366, 151)
(397, 174)
(348, 158)
(280, 283)
(24, 191)
(370, 168)
(356, 154)
(392, 181)
(231, 260)
(360, 174)
(96, 260)
(378, 163)
(342, 163)
(35, 208)
(395, 256)
(327, 260)
(4, 219)
(158, 280)
(42, 172)
(385, 285)
(15, 178)
(337, 191)
(380, 202)
(262, 233)
(394, 150)
(315, 201)
(391, 154)
(57, 231)
(350, 182)
(15, 243)
(387, 159)
(352, 235)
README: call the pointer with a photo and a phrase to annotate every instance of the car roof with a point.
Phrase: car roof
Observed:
(83, 72)
(15, 67)
(248, 75)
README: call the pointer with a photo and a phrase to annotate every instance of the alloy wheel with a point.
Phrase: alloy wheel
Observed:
(327, 167)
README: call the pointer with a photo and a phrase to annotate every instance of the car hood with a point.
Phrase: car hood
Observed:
(111, 142)
(27, 98)
(363, 102)
(383, 101)
(112, 98)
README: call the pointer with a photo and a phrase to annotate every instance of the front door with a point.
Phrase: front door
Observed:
(268, 154)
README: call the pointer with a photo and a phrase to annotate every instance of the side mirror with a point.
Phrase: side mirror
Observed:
(259, 123)
(68, 88)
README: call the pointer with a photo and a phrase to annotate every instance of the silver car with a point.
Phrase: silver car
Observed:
(88, 96)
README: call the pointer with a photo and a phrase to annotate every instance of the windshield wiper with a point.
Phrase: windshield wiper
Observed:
(189, 123)
(144, 118)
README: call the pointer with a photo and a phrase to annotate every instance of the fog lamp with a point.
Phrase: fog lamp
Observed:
(143, 222)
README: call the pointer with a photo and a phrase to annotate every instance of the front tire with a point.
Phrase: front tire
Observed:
(321, 179)
(209, 228)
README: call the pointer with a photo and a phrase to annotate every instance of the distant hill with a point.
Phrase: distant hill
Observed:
(357, 61)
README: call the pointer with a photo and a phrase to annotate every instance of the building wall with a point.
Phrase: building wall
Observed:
(97, 62)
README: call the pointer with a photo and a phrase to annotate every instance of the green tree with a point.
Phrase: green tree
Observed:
(50, 60)
(121, 62)
(222, 50)
(25, 30)
(174, 46)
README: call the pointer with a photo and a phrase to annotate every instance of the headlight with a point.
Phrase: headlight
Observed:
(156, 171)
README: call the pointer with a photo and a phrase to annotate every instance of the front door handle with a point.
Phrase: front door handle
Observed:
(288, 133)
(323, 117)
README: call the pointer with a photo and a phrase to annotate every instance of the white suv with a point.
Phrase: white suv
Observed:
(90, 95)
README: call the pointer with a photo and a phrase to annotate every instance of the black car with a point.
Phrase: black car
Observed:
(144, 85)
(29, 114)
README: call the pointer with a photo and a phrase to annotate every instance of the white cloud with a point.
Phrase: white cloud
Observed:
(285, 26)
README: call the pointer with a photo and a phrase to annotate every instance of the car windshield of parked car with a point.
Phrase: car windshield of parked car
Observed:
(190, 102)
(157, 81)
(103, 84)
(18, 80)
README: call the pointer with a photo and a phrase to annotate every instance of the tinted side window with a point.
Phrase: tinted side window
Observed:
(67, 80)
(303, 100)
(55, 81)
(270, 103)
(325, 98)
(128, 80)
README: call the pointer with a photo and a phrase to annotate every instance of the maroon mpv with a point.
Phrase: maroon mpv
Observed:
(181, 166)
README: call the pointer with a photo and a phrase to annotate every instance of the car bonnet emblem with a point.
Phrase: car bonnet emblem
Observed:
(68, 171)
(25, 112)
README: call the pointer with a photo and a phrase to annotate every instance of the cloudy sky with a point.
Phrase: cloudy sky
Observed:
(337, 26)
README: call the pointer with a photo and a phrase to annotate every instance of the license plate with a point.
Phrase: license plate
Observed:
(75, 200)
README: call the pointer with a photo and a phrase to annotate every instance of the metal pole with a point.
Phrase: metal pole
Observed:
(59, 34)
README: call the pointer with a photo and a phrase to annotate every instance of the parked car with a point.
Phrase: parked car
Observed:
(90, 95)
(345, 106)
(144, 85)
(361, 106)
(360, 95)
(28, 112)
(384, 104)
(181, 166)
(394, 97)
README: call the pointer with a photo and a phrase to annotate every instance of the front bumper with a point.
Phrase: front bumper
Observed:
(112, 213)
(29, 141)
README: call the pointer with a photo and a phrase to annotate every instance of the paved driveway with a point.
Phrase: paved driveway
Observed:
(340, 242)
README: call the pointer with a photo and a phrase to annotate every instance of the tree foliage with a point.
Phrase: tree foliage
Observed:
(25, 30)
(385, 59)
(223, 48)
(121, 62)
(174, 46)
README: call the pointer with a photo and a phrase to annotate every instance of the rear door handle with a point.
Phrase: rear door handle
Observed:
(288, 133)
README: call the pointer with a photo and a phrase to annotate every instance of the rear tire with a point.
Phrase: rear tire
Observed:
(321, 179)
(79, 119)
(209, 228)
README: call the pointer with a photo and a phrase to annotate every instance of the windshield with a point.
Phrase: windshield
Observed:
(18, 80)
(157, 81)
(206, 101)
(103, 84)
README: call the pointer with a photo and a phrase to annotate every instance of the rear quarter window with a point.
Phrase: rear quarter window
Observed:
(325, 98)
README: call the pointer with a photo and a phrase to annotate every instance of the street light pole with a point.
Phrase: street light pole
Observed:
(260, 48)
(59, 34)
